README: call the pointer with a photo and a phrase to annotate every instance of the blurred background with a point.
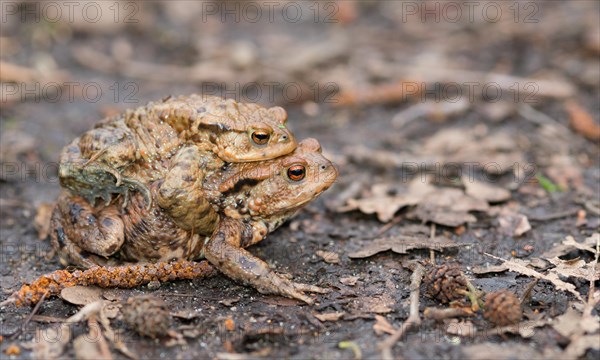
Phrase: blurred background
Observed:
(359, 74)
(504, 91)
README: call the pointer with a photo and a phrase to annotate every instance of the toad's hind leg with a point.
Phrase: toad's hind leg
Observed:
(84, 235)
(180, 194)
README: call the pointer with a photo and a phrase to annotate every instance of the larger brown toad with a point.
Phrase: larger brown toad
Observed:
(225, 210)
(133, 149)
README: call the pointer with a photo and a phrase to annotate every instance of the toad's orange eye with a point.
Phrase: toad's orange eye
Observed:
(260, 137)
(296, 172)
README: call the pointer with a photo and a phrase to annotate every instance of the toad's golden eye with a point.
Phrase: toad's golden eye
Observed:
(260, 137)
(296, 172)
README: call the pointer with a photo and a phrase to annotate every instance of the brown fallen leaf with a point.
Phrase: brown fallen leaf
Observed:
(451, 219)
(89, 350)
(520, 267)
(569, 244)
(573, 323)
(329, 256)
(488, 349)
(578, 347)
(81, 295)
(495, 153)
(513, 224)
(565, 172)
(350, 280)
(55, 339)
(461, 328)
(441, 205)
(335, 316)
(400, 245)
(574, 268)
(382, 326)
(582, 121)
(42, 220)
(524, 329)
(385, 205)
(485, 191)
(449, 207)
(480, 270)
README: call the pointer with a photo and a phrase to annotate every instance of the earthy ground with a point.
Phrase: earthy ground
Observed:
(458, 131)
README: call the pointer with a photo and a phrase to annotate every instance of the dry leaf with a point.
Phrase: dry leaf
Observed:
(54, 341)
(386, 200)
(350, 280)
(382, 326)
(445, 206)
(513, 224)
(401, 245)
(575, 268)
(480, 270)
(524, 329)
(488, 350)
(494, 153)
(517, 266)
(569, 244)
(81, 295)
(329, 256)
(580, 345)
(565, 171)
(335, 316)
(86, 349)
(449, 207)
(484, 191)
(573, 323)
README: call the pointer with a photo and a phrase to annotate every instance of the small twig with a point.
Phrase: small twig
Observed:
(47, 319)
(414, 320)
(447, 313)
(527, 294)
(591, 207)
(33, 312)
(385, 228)
(554, 216)
(540, 118)
(474, 296)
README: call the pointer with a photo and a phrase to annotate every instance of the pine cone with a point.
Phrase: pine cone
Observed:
(442, 283)
(502, 308)
(147, 315)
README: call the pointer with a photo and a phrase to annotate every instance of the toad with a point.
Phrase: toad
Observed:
(223, 211)
(131, 150)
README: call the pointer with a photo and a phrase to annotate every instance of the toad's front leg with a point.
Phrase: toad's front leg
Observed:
(180, 192)
(224, 251)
